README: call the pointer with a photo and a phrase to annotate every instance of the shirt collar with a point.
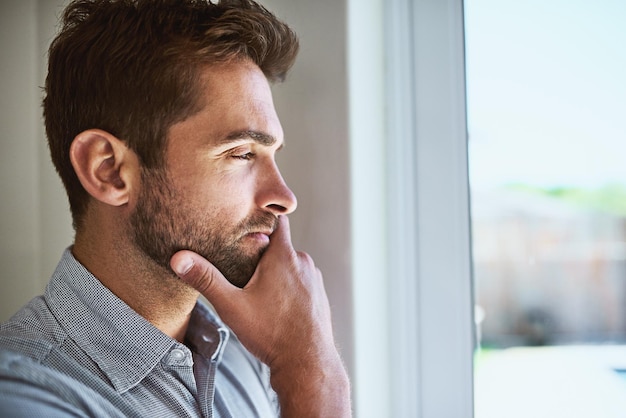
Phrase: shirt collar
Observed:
(206, 334)
(121, 342)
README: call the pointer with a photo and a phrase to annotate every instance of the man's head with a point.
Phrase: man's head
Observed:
(179, 89)
(221, 192)
(132, 68)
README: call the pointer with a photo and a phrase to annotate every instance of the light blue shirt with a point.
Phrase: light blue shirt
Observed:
(79, 351)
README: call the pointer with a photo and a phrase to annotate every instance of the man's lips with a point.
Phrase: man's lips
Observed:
(261, 237)
(261, 230)
(267, 232)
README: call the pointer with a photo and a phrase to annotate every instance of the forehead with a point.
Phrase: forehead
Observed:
(236, 97)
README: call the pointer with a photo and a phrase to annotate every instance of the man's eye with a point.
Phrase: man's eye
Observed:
(246, 156)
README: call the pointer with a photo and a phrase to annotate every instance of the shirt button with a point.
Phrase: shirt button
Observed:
(177, 354)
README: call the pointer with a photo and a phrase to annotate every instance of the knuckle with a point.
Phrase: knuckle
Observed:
(305, 258)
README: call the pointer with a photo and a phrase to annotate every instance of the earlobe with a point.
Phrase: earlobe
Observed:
(104, 165)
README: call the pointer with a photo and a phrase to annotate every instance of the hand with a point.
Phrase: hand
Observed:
(282, 316)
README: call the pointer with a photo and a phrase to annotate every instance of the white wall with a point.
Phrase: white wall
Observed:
(34, 220)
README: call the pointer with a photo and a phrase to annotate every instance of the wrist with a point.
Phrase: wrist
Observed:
(315, 387)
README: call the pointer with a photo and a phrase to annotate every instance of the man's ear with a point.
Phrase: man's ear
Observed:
(105, 166)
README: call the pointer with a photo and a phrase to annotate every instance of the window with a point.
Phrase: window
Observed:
(546, 102)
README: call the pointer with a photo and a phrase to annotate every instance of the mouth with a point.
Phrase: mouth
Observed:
(263, 229)
(259, 233)
(267, 234)
(258, 238)
(260, 230)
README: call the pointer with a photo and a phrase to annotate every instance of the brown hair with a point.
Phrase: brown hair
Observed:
(131, 68)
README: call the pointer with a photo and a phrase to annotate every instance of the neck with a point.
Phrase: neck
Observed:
(149, 289)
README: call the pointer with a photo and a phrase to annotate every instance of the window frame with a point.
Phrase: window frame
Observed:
(428, 215)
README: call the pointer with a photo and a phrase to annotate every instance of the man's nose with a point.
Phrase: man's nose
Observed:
(274, 194)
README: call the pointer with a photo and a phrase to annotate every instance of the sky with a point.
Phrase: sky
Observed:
(546, 83)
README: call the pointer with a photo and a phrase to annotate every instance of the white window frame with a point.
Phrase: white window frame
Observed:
(429, 252)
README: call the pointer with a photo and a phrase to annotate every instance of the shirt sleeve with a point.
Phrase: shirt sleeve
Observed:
(20, 399)
(30, 389)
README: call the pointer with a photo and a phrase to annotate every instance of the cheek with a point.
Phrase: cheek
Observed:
(234, 188)
(229, 193)
(226, 201)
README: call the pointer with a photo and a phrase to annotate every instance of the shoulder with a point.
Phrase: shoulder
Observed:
(32, 331)
(28, 386)
(28, 389)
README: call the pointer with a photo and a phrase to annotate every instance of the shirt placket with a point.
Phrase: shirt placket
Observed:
(206, 360)
(179, 363)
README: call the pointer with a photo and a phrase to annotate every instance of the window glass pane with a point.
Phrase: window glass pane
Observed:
(546, 87)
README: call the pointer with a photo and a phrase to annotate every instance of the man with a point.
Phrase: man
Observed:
(161, 125)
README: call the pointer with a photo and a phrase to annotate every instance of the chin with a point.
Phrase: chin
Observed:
(239, 271)
(240, 278)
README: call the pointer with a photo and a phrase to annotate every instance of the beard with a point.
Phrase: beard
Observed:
(162, 224)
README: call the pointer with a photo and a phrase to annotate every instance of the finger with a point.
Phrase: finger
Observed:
(203, 276)
(282, 234)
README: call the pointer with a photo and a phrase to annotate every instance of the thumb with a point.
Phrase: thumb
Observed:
(200, 274)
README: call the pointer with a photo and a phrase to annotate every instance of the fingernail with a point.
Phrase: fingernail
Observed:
(183, 265)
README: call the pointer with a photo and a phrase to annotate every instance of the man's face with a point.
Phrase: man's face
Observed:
(220, 192)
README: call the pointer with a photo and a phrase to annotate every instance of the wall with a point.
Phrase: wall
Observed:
(313, 107)
(34, 222)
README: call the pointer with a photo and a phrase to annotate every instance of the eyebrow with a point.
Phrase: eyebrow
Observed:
(259, 137)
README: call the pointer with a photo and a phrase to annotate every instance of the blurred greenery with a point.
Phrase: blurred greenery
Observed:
(481, 354)
(610, 198)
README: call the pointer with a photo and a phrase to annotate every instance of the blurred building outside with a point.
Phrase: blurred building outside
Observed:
(547, 272)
